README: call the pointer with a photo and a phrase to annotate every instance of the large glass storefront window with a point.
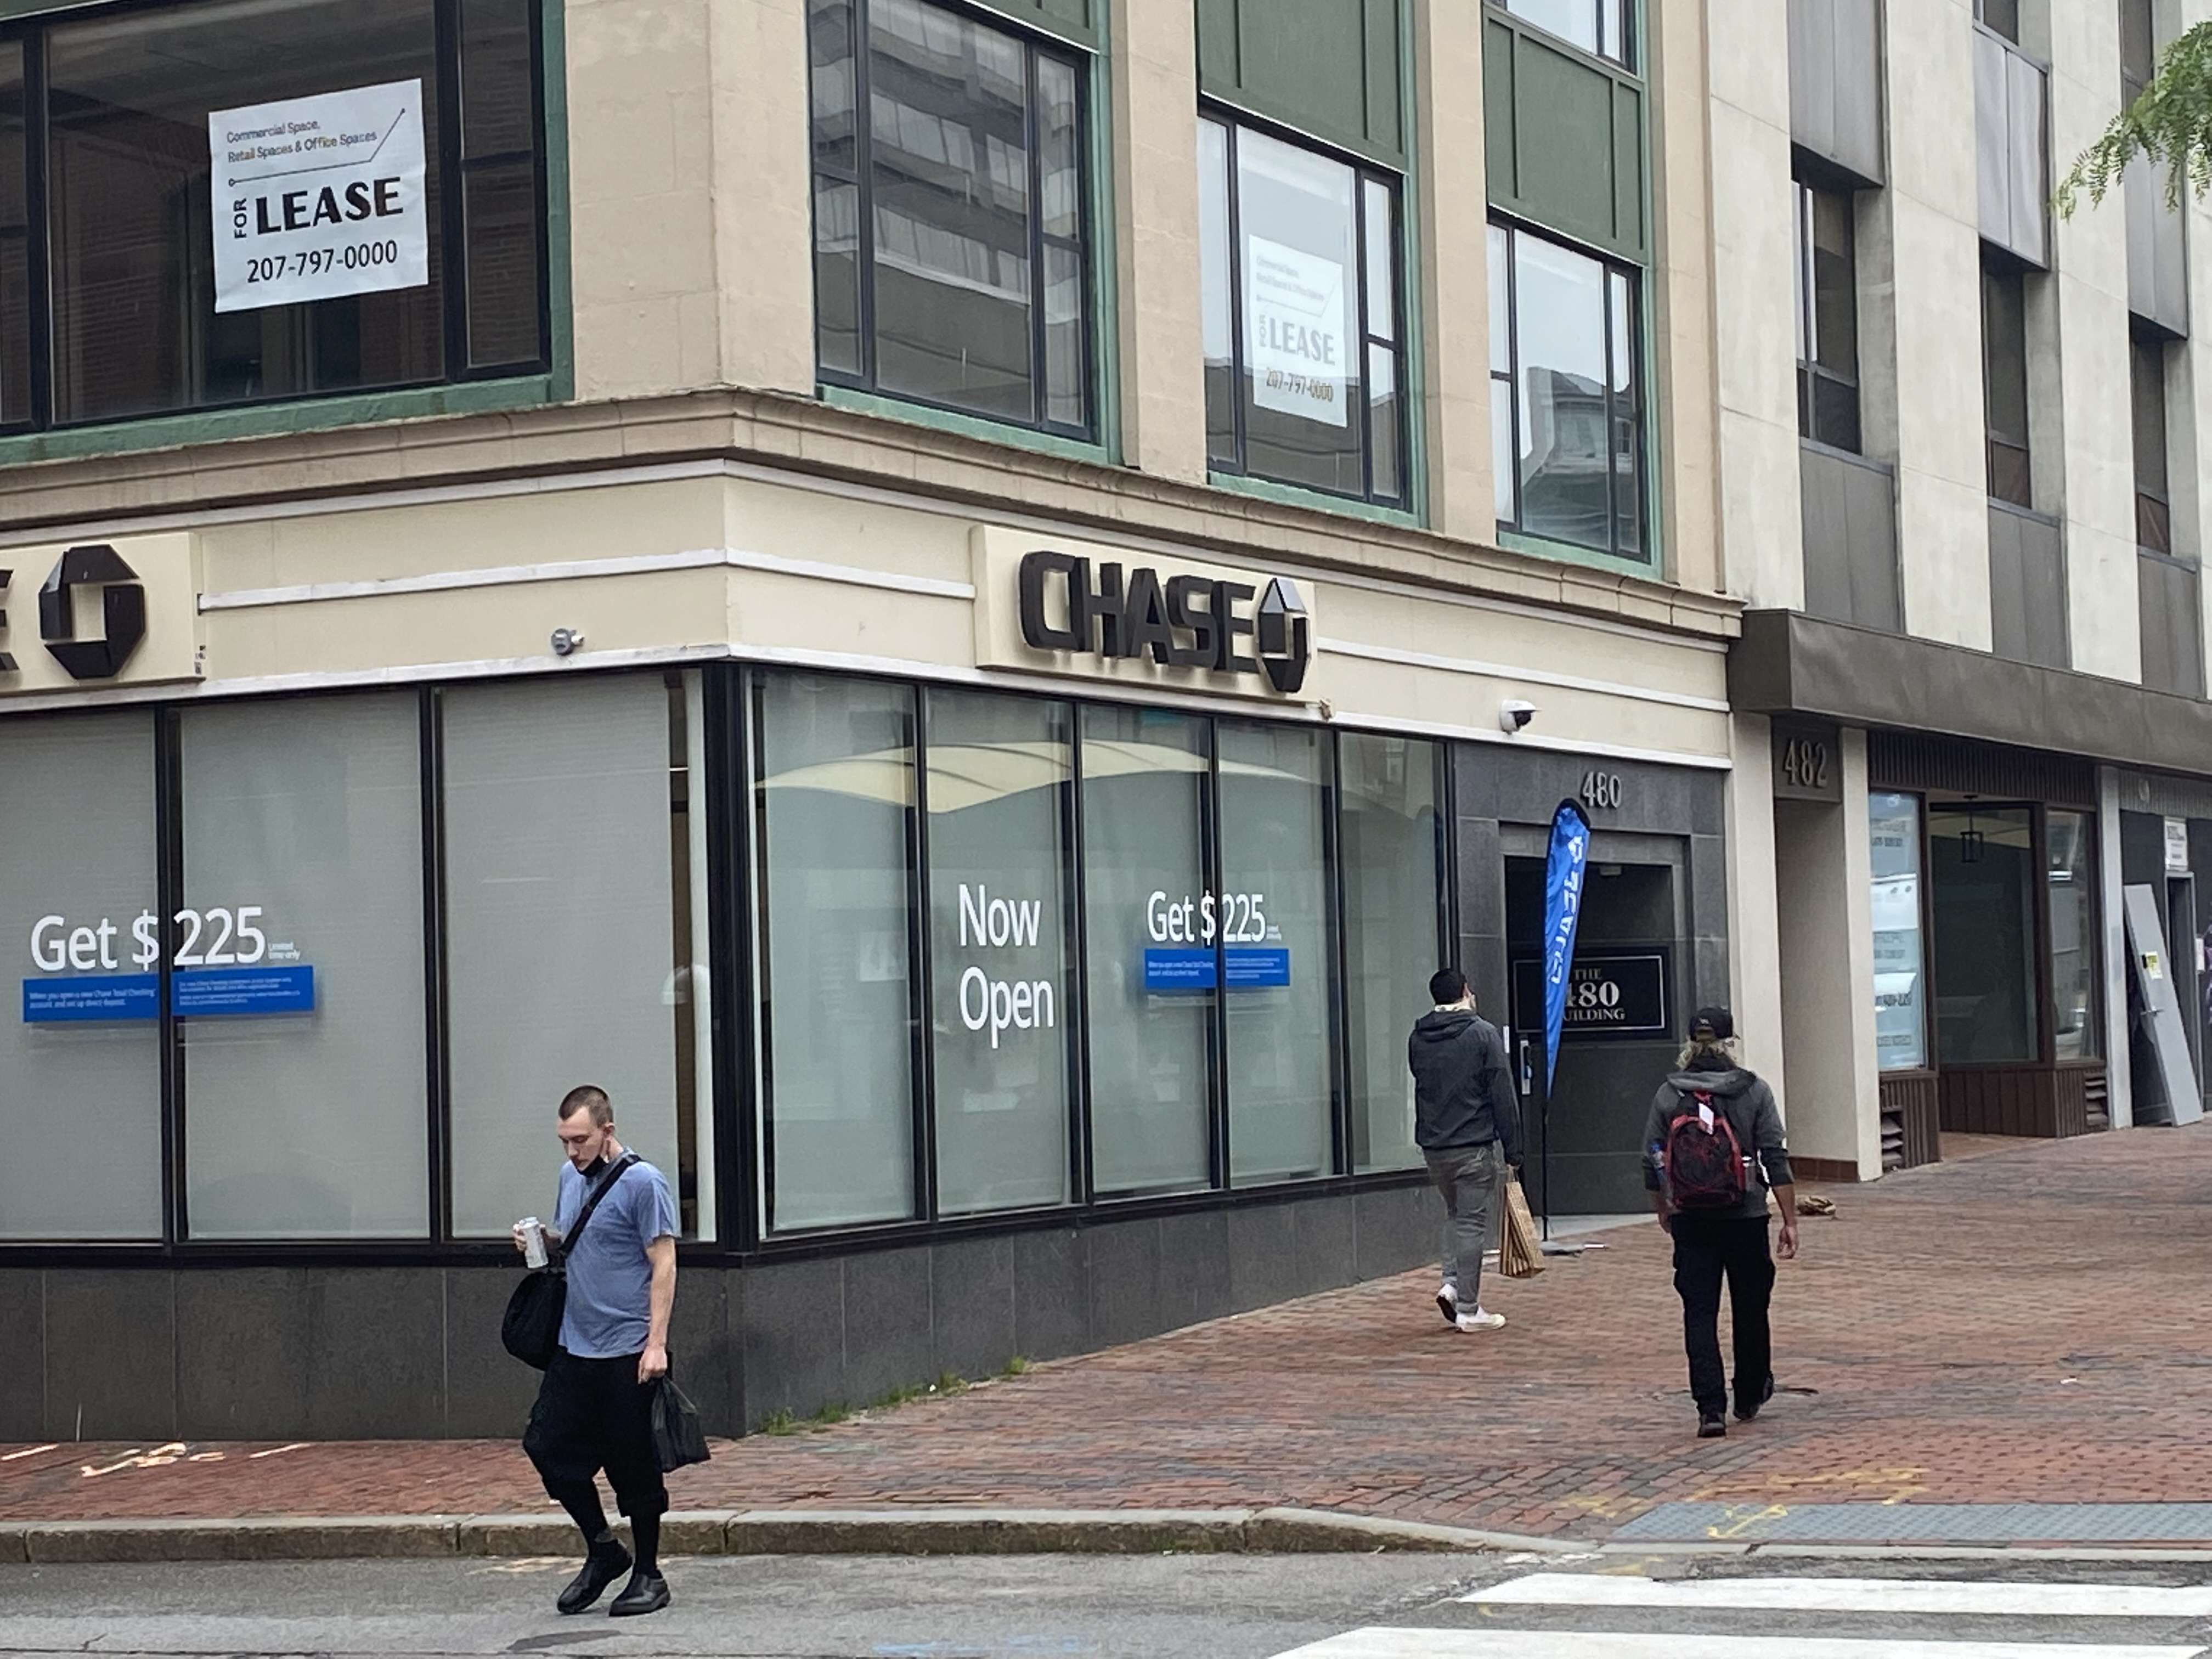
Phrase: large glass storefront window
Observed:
(298, 959)
(2070, 871)
(1393, 881)
(1985, 890)
(1900, 979)
(575, 934)
(1151, 956)
(1001, 796)
(834, 794)
(1277, 950)
(177, 281)
(81, 1069)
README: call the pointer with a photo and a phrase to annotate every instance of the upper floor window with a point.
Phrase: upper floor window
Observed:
(2154, 497)
(1304, 349)
(1827, 319)
(1566, 415)
(2002, 15)
(951, 260)
(2138, 47)
(2004, 384)
(1602, 27)
(215, 204)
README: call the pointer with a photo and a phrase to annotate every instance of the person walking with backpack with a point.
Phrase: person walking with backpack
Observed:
(1713, 1146)
(615, 1225)
(1467, 1122)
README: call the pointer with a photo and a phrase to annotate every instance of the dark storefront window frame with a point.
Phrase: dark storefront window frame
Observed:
(1035, 44)
(740, 1167)
(445, 155)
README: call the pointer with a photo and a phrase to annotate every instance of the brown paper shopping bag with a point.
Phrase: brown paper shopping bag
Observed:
(1520, 1251)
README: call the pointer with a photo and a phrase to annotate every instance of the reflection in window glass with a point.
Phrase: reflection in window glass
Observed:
(1983, 882)
(1392, 888)
(82, 1098)
(1277, 950)
(1149, 976)
(1827, 319)
(2153, 495)
(1000, 790)
(2004, 385)
(569, 816)
(1598, 26)
(1900, 1004)
(1576, 416)
(834, 797)
(1304, 361)
(967, 178)
(309, 1122)
(135, 327)
(14, 243)
(2071, 871)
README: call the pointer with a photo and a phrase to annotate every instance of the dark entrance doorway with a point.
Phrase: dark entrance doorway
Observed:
(1624, 1017)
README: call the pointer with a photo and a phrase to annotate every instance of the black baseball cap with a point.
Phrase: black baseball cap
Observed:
(1713, 1024)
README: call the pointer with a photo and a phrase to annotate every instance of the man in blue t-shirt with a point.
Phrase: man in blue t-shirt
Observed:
(594, 1409)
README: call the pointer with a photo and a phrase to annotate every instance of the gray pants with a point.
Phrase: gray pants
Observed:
(1467, 1177)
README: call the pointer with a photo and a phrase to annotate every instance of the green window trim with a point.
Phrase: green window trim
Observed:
(1047, 17)
(1317, 500)
(1232, 72)
(556, 385)
(1584, 95)
(889, 408)
(1543, 547)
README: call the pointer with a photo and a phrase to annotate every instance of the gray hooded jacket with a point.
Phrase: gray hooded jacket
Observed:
(1749, 1106)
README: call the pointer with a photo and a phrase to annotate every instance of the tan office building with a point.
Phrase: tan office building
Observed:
(967, 664)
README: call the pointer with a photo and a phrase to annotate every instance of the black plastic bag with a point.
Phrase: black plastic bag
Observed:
(677, 1437)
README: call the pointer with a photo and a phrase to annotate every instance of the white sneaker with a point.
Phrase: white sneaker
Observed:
(1448, 1304)
(1480, 1320)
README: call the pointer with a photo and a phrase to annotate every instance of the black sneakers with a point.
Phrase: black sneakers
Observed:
(606, 1562)
(1712, 1428)
(647, 1592)
(1745, 1410)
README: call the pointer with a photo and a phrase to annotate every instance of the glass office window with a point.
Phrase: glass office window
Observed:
(1900, 977)
(2154, 493)
(950, 257)
(575, 935)
(1151, 949)
(2070, 873)
(80, 1047)
(1277, 950)
(1393, 899)
(1001, 793)
(1827, 319)
(834, 797)
(1569, 325)
(1598, 26)
(15, 243)
(134, 203)
(299, 959)
(1983, 865)
(1304, 358)
(2004, 385)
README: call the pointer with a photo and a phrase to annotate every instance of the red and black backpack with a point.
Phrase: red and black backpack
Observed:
(1705, 1160)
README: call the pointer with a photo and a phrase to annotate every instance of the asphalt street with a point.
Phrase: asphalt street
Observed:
(1340, 1607)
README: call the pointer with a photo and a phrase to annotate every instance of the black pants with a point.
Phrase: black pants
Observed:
(1706, 1248)
(595, 1415)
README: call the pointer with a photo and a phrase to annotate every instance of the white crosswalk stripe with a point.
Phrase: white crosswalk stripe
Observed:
(1880, 1618)
(1994, 1598)
(1565, 1644)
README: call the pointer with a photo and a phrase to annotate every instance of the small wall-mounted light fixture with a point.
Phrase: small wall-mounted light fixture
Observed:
(567, 642)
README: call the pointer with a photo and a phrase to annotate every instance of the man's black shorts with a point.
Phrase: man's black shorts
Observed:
(595, 1415)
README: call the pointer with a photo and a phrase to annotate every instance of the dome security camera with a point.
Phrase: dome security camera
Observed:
(1513, 715)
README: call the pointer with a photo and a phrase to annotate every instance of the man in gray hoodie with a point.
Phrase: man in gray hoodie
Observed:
(1467, 1121)
(1720, 1230)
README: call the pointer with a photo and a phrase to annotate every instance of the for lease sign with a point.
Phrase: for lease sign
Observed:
(316, 198)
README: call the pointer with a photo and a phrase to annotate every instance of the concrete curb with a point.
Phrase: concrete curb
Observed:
(918, 1529)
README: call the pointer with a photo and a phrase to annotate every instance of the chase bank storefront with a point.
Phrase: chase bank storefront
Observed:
(1005, 935)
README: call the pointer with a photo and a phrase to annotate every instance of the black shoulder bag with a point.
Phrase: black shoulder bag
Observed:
(532, 1326)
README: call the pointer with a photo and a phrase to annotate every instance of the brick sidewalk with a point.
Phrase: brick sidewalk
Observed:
(2030, 1326)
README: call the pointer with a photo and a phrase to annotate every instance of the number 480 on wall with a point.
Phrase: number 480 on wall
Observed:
(1602, 791)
